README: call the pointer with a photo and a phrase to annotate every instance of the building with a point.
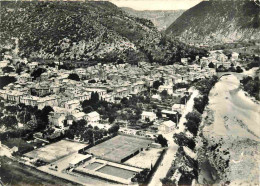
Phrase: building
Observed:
(80, 71)
(235, 55)
(184, 61)
(167, 126)
(57, 119)
(41, 89)
(92, 118)
(24, 78)
(78, 116)
(72, 104)
(148, 115)
(79, 159)
(168, 113)
(178, 108)
(168, 88)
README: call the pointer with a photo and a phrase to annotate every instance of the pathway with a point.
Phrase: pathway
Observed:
(172, 147)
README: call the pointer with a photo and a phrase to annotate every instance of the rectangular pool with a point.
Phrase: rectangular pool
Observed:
(118, 172)
(93, 165)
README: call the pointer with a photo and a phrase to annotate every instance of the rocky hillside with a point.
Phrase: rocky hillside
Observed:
(160, 18)
(220, 21)
(91, 31)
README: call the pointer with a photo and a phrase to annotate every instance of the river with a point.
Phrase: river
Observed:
(231, 120)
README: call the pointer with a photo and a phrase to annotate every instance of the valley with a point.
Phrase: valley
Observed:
(97, 94)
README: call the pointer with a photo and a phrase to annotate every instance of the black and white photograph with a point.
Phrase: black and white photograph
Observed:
(129, 92)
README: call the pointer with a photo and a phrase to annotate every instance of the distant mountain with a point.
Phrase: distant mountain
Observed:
(85, 31)
(223, 21)
(160, 18)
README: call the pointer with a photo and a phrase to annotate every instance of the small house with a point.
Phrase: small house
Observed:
(167, 126)
(148, 115)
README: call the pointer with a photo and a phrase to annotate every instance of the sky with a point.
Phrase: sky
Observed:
(156, 4)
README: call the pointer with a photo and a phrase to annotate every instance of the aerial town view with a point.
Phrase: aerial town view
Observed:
(136, 92)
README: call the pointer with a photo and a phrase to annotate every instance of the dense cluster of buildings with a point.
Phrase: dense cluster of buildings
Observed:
(112, 82)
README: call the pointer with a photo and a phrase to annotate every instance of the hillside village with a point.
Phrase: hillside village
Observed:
(89, 104)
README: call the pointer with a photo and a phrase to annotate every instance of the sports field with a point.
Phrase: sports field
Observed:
(119, 147)
(55, 151)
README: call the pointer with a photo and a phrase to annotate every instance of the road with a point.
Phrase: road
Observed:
(172, 147)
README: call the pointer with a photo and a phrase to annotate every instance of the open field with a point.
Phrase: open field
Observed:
(13, 173)
(145, 158)
(55, 151)
(118, 148)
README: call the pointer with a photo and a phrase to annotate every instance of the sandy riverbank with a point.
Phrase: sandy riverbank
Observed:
(232, 122)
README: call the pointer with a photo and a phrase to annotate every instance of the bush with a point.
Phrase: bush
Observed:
(239, 69)
(5, 80)
(8, 69)
(74, 77)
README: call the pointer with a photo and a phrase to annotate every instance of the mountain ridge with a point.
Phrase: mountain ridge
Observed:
(89, 31)
(218, 21)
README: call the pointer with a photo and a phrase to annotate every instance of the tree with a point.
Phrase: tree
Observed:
(156, 84)
(113, 129)
(232, 68)
(7, 69)
(147, 120)
(192, 127)
(51, 65)
(162, 141)
(124, 101)
(200, 103)
(239, 69)
(24, 117)
(74, 77)
(44, 114)
(11, 109)
(10, 122)
(194, 116)
(88, 109)
(94, 97)
(111, 119)
(211, 65)
(159, 113)
(37, 73)
(164, 94)
(82, 123)
(5, 80)
(181, 140)
(92, 81)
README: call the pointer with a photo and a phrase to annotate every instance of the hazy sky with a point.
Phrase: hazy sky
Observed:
(156, 4)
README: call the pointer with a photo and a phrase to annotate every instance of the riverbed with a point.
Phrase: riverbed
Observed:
(232, 120)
